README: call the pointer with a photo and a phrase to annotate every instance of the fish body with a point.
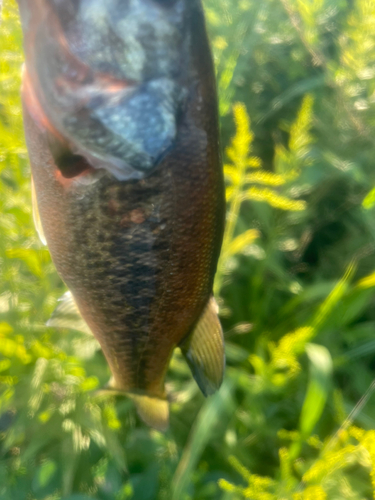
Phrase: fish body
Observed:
(120, 114)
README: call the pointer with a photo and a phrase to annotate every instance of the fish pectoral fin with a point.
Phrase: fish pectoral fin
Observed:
(36, 216)
(204, 350)
(67, 315)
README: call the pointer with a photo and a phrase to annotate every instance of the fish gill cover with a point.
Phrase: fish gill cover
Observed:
(111, 77)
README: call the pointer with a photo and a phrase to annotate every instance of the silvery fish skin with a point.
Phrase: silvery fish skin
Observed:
(121, 123)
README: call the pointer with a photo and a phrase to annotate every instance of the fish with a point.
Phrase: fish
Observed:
(121, 125)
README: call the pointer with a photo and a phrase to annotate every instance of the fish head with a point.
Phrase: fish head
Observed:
(107, 80)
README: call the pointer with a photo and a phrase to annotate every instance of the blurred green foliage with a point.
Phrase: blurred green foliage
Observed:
(297, 267)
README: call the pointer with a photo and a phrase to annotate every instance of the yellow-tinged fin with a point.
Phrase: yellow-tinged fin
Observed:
(204, 350)
(67, 315)
(36, 216)
(152, 410)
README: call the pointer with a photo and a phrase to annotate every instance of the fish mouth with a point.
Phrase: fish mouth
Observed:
(99, 107)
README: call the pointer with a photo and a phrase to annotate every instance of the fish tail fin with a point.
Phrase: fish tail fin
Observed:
(204, 350)
(152, 410)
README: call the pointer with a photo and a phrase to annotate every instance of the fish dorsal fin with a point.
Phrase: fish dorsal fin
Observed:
(204, 350)
(36, 216)
(67, 315)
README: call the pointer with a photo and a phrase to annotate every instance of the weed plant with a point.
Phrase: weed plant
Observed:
(294, 419)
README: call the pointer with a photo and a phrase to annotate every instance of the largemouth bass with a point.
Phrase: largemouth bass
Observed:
(120, 114)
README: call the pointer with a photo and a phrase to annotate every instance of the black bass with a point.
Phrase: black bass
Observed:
(120, 113)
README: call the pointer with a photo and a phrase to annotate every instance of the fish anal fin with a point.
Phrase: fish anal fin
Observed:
(36, 216)
(204, 350)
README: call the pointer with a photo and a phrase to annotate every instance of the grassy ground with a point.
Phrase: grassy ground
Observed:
(295, 286)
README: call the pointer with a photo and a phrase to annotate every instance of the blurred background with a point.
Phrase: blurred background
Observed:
(295, 416)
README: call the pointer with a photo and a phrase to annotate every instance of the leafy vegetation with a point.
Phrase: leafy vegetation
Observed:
(294, 419)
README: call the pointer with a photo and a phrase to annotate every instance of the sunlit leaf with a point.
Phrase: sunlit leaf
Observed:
(241, 242)
(267, 178)
(369, 200)
(367, 282)
(317, 391)
(274, 199)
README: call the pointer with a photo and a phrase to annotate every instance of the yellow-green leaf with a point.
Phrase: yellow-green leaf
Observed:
(241, 242)
(274, 199)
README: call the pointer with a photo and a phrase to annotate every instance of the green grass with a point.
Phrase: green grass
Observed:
(294, 419)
